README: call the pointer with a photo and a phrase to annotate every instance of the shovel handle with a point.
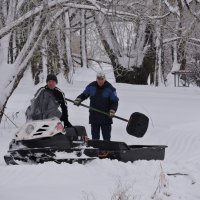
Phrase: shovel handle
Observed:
(97, 110)
(123, 119)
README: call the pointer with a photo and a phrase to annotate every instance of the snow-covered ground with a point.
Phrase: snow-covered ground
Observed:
(174, 121)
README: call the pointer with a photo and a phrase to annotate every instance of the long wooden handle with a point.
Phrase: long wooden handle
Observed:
(97, 110)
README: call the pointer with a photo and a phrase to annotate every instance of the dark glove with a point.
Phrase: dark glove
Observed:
(77, 101)
(112, 113)
(67, 123)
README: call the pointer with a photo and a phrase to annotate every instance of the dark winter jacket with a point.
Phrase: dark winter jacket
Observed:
(45, 105)
(103, 98)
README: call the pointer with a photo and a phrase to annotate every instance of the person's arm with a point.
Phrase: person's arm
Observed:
(84, 95)
(63, 105)
(114, 102)
(64, 108)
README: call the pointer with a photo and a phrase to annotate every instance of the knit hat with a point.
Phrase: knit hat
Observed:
(101, 75)
(51, 77)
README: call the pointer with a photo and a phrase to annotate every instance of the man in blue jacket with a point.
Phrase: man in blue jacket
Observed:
(103, 97)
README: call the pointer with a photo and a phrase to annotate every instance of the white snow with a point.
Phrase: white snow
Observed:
(174, 121)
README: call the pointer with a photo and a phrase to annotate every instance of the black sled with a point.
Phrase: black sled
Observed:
(46, 140)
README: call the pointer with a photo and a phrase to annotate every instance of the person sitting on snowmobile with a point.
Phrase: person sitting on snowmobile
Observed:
(46, 102)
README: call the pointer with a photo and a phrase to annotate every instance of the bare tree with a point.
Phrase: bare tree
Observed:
(141, 39)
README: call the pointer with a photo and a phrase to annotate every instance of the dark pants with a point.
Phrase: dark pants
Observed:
(105, 129)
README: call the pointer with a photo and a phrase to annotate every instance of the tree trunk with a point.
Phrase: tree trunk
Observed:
(84, 60)
(139, 71)
(181, 56)
(69, 66)
(159, 62)
(36, 66)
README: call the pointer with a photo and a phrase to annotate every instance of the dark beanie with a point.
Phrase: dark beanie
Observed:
(52, 77)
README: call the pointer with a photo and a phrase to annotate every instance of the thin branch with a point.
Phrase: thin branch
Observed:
(92, 59)
(168, 40)
(191, 12)
(176, 174)
(63, 3)
(5, 30)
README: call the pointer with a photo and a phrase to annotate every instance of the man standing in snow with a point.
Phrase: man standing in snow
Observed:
(103, 97)
(46, 102)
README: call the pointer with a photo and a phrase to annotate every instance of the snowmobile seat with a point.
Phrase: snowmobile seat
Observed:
(75, 131)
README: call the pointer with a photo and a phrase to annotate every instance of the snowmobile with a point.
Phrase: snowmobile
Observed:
(47, 140)
(40, 141)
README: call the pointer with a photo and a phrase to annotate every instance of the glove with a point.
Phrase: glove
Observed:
(112, 113)
(77, 101)
(67, 123)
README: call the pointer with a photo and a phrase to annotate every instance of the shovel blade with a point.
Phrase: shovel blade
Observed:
(137, 124)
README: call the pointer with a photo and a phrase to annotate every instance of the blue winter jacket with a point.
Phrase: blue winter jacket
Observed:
(103, 98)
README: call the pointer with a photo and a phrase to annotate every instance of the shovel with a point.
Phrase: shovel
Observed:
(137, 123)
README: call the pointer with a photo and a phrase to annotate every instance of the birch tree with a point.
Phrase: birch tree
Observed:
(15, 72)
(137, 41)
(84, 61)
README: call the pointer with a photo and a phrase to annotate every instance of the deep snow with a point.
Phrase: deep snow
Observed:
(174, 121)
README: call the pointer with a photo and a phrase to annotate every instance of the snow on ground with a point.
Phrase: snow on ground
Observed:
(174, 121)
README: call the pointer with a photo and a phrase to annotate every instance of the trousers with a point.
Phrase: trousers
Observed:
(105, 129)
